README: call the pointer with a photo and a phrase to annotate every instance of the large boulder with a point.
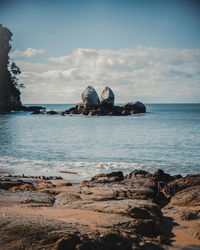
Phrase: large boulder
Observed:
(187, 197)
(179, 184)
(90, 96)
(135, 107)
(107, 97)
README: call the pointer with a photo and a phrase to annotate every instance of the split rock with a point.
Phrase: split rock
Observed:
(107, 97)
(90, 96)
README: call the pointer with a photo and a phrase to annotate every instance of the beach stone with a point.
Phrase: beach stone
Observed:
(161, 176)
(90, 96)
(108, 211)
(179, 184)
(110, 177)
(24, 187)
(187, 197)
(37, 199)
(189, 215)
(138, 174)
(137, 107)
(107, 97)
(8, 184)
(195, 231)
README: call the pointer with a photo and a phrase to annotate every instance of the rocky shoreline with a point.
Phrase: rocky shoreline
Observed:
(111, 211)
(91, 105)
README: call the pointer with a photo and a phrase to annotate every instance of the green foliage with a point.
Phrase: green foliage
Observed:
(8, 70)
(9, 86)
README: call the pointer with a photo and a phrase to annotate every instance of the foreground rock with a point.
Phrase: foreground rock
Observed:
(111, 210)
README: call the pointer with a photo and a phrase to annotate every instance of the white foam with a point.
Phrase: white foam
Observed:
(85, 169)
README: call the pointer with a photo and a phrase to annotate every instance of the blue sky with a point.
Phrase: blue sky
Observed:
(56, 30)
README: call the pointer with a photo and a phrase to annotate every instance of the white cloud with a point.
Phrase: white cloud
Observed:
(29, 52)
(146, 74)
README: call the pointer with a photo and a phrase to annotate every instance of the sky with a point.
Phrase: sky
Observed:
(146, 50)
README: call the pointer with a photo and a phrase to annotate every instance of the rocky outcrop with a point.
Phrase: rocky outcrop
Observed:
(180, 184)
(187, 197)
(52, 112)
(92, 107)
(107, 97)
(90, 96)
(110, 210)
(134, 107)
(9, 92)
(11, 103)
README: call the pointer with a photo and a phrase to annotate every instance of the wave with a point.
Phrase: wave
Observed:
(85, 169)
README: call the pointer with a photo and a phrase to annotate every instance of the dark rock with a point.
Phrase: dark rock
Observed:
(135, 107)
(181, 183)
(138, 173)
(90, 96)
(104, 110)
(37, 112)
(107, 97)
(117, 110)
(80, 107)
(187, 197)
(110, 177)
(69, 110)
(7, 184)
(91, 105)
(32, 108)
(52, 112)
(74, 112)
(93, 113)
(160, 175)
(190, 215)
(126, 112)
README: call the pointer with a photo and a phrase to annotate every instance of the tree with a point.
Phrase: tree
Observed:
(9, 87)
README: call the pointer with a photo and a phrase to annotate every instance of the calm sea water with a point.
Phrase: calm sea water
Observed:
(167, 137)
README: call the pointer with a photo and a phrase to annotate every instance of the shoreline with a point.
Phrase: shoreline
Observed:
(137, 211)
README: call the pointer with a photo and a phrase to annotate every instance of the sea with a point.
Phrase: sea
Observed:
(166, 137)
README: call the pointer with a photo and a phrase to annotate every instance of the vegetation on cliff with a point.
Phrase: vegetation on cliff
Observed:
(9, 87)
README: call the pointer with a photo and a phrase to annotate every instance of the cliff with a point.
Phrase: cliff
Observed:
(9, 92)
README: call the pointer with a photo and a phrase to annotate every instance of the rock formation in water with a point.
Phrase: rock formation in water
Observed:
(90, 96)
(107, 97)
(92, 107)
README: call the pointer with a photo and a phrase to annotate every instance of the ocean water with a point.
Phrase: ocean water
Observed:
(167, 137)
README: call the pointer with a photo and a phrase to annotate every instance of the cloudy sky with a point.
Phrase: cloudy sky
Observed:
(147, 50)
